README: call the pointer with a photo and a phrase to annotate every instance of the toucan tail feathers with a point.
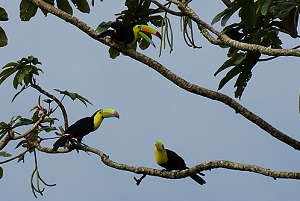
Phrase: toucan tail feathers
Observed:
(198, 179)
(60, 142)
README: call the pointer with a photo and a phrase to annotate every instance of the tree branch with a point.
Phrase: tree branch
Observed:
(58, 102)
(15, 157)
(9, 137)
(180, 82)
(223, 39)
(166, 8)
(180, 174)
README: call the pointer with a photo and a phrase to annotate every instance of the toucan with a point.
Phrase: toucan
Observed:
(129, 34)
(84, 126)
(169, 160)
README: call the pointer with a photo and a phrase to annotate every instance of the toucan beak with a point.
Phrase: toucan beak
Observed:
(150, 30)
(146, 29)
(108, 112)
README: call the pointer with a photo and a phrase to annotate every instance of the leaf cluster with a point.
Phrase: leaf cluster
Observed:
(25, 70)
(261, 22)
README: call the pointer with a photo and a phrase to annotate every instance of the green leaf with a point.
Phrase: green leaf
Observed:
(241, 82)
(21, 143)
(218, 17)
(226, 17)
(10, 64)
(103, 26)
(282, 8)
(7, 71)
(82, 5)
(3, 14)
(113, 53)
(3, 38)
(5, 154)
(131, 4)
(23, 122)
(74, 96)
(16, 79)
(265, 7)
(64, 6)
(156, 20)
(236, 59)
(27, 79)
(232, 73)
(48, 100)
(248, 14)
(27, 10)
(1, 172)
(21, 78)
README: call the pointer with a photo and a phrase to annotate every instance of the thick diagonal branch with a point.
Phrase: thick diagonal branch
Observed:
(180, 82)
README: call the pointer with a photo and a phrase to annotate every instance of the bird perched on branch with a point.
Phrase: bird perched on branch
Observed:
(171, 161)
(84, 126)
(129, 34)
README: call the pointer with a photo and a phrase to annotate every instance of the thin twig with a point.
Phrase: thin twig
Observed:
(15, 157)
(138, 181)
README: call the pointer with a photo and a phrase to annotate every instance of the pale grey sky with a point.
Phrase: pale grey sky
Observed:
(150, 108)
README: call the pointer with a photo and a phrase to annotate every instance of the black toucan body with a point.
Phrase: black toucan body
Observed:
(170, 160)
(84, 126)
(129, 34)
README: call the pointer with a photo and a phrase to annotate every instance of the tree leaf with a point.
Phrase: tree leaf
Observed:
(219, 16)
(3, 14)
(232, 73)
(21, 143)
(156, 20)
(10, 64)
(265, 7)
(64, 6)
(242, 82)
(16, 79)
(113, 53)
(248, 14)
(3, 38)
(5, 154)
(74, 96)
(27, 10)
(82, 5)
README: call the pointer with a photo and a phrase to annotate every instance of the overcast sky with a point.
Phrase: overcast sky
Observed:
(150, 108)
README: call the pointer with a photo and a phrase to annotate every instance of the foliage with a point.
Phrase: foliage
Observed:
(41, 119)
(260, 23)
(74, 96)
(24, 69)
(3, 37)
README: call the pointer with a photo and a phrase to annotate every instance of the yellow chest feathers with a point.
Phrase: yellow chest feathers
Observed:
(98, 118)
(160, 156)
